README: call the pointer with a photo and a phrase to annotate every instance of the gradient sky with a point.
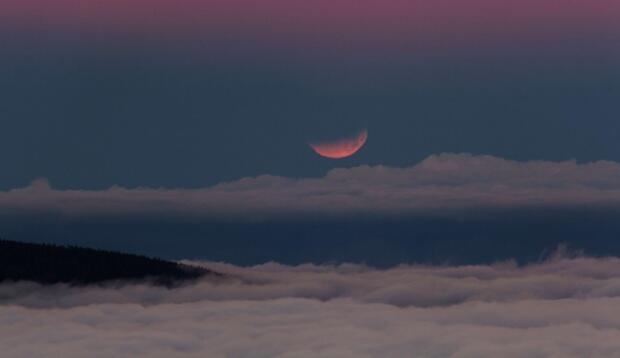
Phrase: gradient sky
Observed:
(191, 93)
(184, 95)
(480, 218)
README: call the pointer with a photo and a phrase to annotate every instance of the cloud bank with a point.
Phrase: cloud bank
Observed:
(564, 307)
(438, 185)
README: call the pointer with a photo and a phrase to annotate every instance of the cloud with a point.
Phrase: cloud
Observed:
(564, 307)
(440, 184)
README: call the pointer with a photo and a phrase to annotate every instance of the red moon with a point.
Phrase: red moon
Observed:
(341, 148)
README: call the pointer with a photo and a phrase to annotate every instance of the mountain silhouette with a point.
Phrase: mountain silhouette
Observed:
(50, 264)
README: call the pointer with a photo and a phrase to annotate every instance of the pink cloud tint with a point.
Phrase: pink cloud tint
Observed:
(441, 183)
(564, 307)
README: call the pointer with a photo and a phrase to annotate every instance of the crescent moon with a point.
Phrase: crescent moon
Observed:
(341, 148)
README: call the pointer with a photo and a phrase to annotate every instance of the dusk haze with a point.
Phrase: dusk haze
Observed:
(287, 178)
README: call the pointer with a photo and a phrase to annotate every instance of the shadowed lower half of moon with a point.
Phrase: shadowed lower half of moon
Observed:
(341, 148)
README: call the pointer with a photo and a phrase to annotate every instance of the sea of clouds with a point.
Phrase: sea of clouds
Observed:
(562, 307)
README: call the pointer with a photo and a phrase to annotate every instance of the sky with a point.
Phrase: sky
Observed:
(188, 93)
(181, 128)
(475, 211)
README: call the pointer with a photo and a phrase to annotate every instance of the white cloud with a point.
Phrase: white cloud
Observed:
(566, 307)
(446, 181)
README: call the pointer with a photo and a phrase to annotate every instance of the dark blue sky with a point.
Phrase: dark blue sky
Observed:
(188, 95)
(88, 113)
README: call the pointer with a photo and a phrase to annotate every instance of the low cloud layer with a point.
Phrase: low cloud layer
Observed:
(439, 183)
(563, 307)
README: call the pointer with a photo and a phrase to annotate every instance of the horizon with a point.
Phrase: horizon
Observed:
(367, 178)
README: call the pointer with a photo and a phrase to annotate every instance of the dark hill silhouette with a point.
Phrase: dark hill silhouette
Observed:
(49, 264)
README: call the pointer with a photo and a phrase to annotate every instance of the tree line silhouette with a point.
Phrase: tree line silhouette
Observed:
(50, 264)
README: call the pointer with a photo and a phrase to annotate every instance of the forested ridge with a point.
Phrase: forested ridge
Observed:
(49, 264)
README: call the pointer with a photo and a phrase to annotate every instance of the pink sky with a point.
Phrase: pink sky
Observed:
(322, 21)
